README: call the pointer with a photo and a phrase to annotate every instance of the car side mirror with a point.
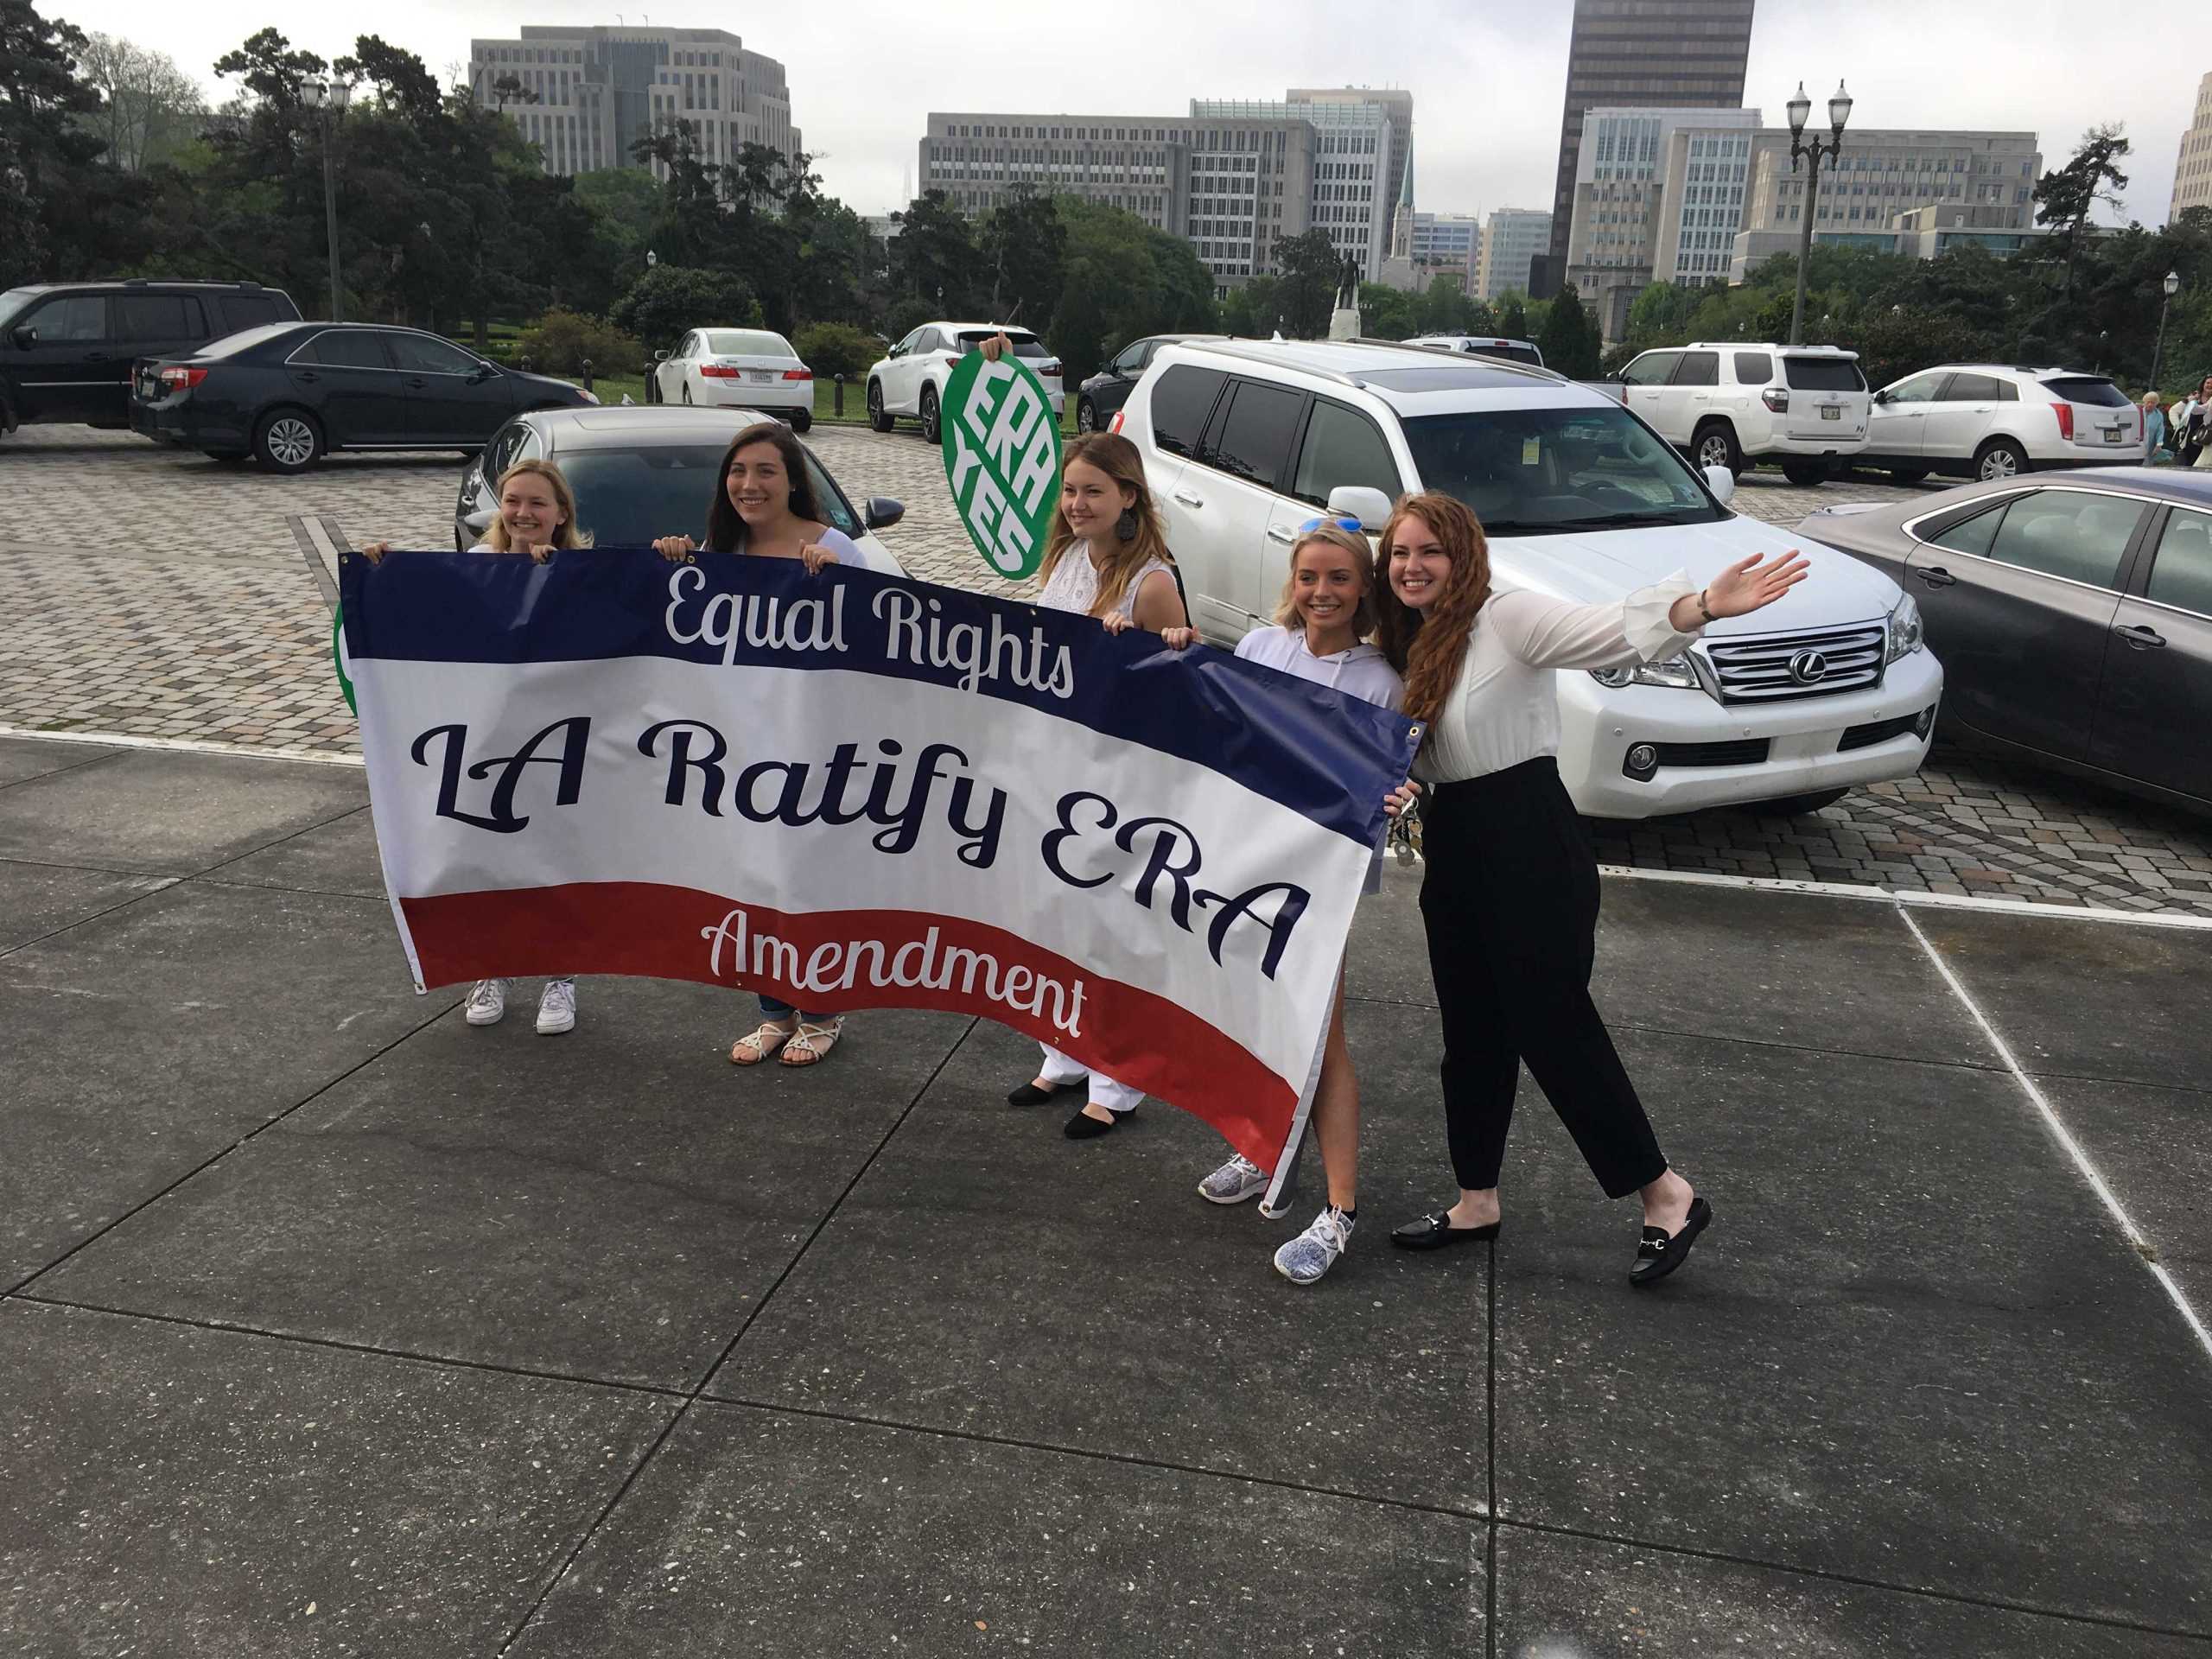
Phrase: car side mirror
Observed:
(480, 520)
(24, 335)
(1370, 506)
(881, 512)
(1721, 482)
(660, 357)
(1883, 396)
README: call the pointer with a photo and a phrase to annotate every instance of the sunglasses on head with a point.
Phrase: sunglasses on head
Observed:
(1312, 524)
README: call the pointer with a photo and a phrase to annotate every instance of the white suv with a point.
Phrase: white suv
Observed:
(1244, 442)
(1506, 350)
(1983, 420)
(910, 379)
(1732, 405)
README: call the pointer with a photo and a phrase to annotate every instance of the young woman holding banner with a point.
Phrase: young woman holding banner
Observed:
(764, 505)
(1326, 610)
(538, 516)
(1509, 891)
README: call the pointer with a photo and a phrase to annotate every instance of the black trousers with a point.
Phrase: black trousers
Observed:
(1509, 899)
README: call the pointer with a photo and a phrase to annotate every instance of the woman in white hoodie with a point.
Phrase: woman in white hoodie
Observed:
(1327, 606)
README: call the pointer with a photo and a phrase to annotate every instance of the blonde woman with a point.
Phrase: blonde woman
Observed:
(1325, 612)
(538, 516)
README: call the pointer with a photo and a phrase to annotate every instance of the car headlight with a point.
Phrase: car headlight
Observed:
(1675, 671)
(1906, 635)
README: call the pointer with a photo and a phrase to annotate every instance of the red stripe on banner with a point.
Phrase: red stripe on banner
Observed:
(947, 963)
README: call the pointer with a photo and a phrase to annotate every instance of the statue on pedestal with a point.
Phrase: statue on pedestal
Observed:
(1344, 322)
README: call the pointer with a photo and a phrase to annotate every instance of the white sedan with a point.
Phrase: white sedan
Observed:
(736, 368)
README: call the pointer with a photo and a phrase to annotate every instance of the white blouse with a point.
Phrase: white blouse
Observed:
(1503, 709)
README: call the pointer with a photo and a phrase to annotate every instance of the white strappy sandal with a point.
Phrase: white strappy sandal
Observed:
(753, 1049)
(812, 1041)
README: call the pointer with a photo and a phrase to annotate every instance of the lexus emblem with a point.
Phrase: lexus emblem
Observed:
(1808, 667)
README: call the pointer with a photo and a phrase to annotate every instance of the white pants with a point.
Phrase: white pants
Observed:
(1116, 1097)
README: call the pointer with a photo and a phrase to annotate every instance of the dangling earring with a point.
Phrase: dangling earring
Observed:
(1125, 527)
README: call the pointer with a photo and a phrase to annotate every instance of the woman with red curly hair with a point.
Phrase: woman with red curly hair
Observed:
(1510, 892)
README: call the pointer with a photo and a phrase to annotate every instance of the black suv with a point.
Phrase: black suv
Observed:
(66, 348)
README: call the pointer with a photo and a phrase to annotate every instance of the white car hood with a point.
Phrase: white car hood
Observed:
(1603, 568)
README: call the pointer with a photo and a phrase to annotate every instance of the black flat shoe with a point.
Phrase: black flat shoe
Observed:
(1434, 1232)
(1084, 1126)
(1659, 1256)
(1030, 1095)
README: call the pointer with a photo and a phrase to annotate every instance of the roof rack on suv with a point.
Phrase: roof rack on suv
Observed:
(1258, 352)
(1458, 357)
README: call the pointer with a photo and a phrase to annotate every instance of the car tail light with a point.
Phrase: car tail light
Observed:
(1114, 425)
(1776, 399)
(1048, 368)
(181, 379)
(798, 374)
(2065, 413)
(952, 359)
(720, 371)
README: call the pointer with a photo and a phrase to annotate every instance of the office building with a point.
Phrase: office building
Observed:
(1445, 244)
(1640, 54)
(2193, 165)
(1512, 238)
(1658, 197)
(1233, 177)
(1923, 232)
(587, 95)
(1884, 173)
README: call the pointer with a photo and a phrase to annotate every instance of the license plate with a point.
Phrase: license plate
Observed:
(1831, 411)
(2112, 434)
(147, 389)
(760, 377)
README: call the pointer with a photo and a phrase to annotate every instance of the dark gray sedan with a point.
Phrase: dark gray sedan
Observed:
(2072, 613)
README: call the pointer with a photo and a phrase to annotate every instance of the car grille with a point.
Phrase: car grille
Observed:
(1735, 752)
(1761, 669)
(1879, 731)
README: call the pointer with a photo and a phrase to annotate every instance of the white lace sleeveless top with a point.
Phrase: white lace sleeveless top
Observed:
(1074, 586)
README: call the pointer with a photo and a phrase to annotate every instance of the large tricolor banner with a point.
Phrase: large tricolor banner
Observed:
(854, 792)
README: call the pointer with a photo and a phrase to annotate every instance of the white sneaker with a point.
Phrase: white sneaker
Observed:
(1314, 1251)
(556, 1007)
(487, 1002)
(1234, 1182)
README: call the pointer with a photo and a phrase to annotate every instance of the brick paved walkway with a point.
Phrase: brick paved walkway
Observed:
(115, 617)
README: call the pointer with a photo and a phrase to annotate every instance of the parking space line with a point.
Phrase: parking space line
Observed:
(1905, 896)
(184, 746)
(2073, 1148)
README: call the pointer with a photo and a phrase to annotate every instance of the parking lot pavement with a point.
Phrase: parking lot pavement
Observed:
(148, 592)
(332, 1324)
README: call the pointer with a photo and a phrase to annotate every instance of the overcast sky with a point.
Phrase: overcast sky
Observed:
(1487, 76)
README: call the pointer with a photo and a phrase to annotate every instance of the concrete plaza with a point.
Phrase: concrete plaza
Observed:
(332, 1326)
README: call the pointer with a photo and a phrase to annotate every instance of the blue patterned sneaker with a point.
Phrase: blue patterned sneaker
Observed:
(1234, 1182)
(1314, 1251)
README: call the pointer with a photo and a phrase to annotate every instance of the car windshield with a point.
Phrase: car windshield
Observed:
(2093, 390)
(246, 339)
(14, 300)
(744, 343)
(1026, 346)
(626, 498)
(1538, 472)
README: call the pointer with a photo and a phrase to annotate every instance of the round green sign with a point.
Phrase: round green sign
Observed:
(1003, 458)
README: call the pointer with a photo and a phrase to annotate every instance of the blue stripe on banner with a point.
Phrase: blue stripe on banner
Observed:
(1321, 754)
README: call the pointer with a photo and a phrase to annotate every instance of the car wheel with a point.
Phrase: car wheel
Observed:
(1907, 474)
(1086, 415)
(287, 441)
(687, 394)
(877, 420)
(802, 420)
(1999, 458)
(1714, 445)
(1798, 807)
(933, 429)
(1805, 474)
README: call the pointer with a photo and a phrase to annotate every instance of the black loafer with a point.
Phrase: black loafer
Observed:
(1084, 1126)
(1030, 1095)
(1659, 1256)
(1435, 1231)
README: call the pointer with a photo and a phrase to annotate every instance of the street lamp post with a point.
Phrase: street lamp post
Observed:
(2172, 286)
(1813, 150)
(329, 97)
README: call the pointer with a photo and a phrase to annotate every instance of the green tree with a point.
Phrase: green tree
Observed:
(1251, 310)
(835, 348)
(1569, 341)
(1387, 313)
(44, 104)
(1445, 308)
(935, 258)
(908, 315)
(561, 342)
(1023, 251)
(1512, 308)
(1310, 269)
(2067, 197)
(670, 299)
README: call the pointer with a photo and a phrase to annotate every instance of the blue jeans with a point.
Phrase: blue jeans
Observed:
(772, 1010)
